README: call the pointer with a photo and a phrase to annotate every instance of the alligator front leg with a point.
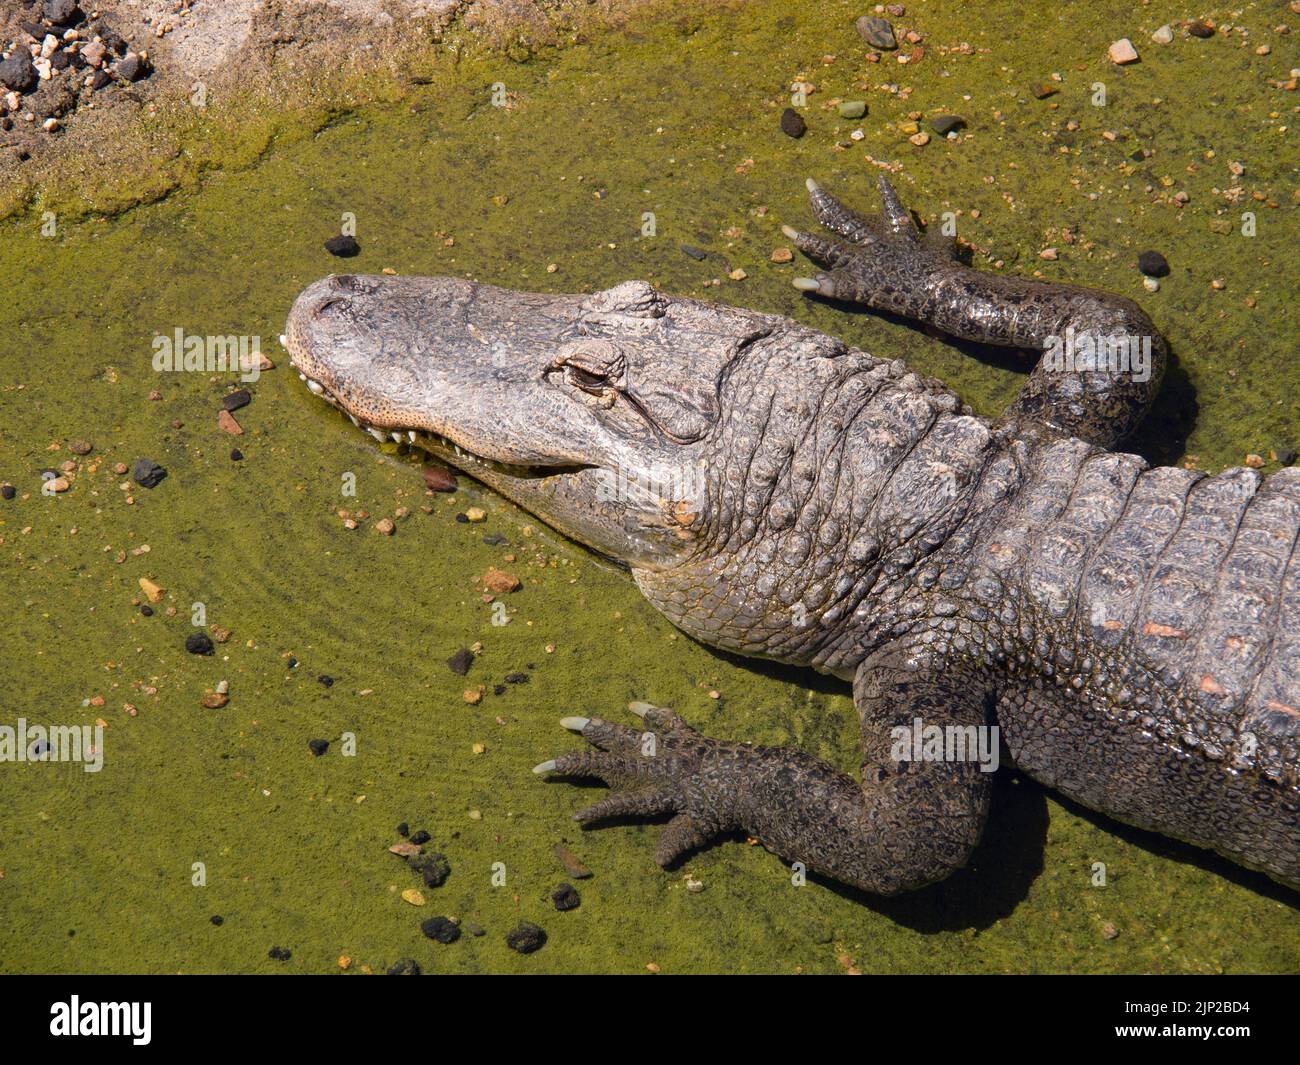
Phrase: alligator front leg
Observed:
(1102, 359)
(906, 824)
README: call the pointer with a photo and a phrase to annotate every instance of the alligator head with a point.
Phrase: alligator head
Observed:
(594, 412)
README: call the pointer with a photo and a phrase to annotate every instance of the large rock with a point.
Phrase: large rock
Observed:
(876, 32)
(18, 72)
(62, 12)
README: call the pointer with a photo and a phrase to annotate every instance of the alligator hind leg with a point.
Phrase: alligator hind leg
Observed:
(909, 821)
(1101, 358)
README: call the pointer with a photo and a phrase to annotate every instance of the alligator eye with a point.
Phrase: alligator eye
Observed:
(586, 380)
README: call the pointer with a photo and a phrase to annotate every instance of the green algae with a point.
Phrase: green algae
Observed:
(677, 118)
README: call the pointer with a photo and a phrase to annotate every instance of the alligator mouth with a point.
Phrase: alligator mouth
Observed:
(435, 444)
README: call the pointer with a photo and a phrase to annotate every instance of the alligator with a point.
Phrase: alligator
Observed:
(1131, 632)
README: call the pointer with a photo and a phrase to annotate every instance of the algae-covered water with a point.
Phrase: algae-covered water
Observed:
(202, 812)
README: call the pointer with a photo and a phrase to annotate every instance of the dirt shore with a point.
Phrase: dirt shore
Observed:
(122, 85)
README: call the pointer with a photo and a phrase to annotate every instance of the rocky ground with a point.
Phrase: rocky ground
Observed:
(75, 73)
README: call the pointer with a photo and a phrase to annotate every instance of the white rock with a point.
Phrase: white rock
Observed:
(42, 68)
(49, 46)
(12, 101)
(93, 53)
(1151, 284)
(1122, 51)
(1163, 35)
(50, 125)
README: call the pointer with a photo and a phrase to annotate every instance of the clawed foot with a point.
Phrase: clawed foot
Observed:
(663, 767)
(880, 261)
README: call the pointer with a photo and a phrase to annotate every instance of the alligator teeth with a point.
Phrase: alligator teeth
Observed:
(315, 386)
(410, 436)
(397, 437)
(354, 420)
(378, 434)
(284, 341)
(301, 376)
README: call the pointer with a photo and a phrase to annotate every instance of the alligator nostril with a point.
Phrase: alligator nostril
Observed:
(350, 283)
(327, 305)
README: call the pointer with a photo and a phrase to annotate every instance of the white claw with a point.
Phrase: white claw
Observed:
(790, 232)
(812, 185)
(806, 284)
(641, 709)
(544, 767)
(577, 724)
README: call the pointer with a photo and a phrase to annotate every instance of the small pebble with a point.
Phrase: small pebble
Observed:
(438, 478)
(692, 252)
(7, 491)
(198, 643)
(279, 954)
(1151, 284)
(1163, 35)
(236, 400)
(404, 967)
(385, 527)
(343, 246)
(945, 124)
(877, 32)
(853, 109)
(217, 919)
(1200, 29)
(1153, 264)
(326, 680)
(80, 447)
(525, 938)
(460, 662)
(147, 473)
(318, 747)
(566, 897)
(214, 700)
(1122, 52)
(421, 838)
(782, 255)
(476, 514)
(441, 930)
(792, 123)
(236, 455)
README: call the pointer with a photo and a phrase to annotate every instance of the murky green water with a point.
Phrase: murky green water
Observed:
(679, 120)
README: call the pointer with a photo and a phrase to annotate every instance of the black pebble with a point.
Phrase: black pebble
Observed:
(1286, 456)
(500, 689)
(237, 400)
(566, 897)
(433, 868)
(292, 663)
(1153, 264)
(131, 67)
(460, 662)
(1200, 29)
(525, 938)
(279, 954)
(8, 491)
(99, 79)
(198, 643)
(146, 610)
(405, 967)
(945, 124)
(326, 679)
(691, 251)
(318, 747)
(463, 519)
(343, 246)
(495, 540)
(421, 838)
(440, 929)
(147, 473)
(403, 830)
(236, 455)
(217, 919)
(516, 678)
(792, 123)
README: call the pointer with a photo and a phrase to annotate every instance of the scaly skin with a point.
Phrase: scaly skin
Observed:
(1133, 632)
